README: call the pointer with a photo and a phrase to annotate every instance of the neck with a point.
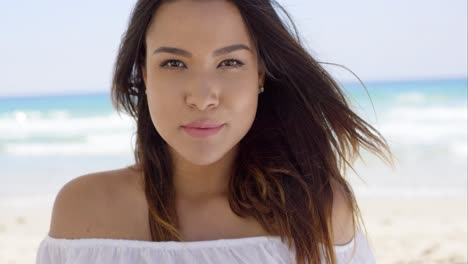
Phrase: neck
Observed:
(200, 182)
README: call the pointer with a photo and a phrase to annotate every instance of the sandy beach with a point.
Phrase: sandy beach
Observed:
(401, 230)
(417, 230)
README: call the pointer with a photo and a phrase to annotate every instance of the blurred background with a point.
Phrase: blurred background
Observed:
(57, 121)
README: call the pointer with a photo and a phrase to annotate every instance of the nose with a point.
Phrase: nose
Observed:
(202, 94)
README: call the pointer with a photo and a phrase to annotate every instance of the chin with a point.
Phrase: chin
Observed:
(199, 156)
(202, 159)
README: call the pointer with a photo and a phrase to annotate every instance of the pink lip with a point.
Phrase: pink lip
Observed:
(202, 132)
(203, 123)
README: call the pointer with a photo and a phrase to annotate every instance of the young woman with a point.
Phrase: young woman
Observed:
(242, 141)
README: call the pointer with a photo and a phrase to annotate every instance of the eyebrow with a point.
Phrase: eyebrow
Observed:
(217, 52)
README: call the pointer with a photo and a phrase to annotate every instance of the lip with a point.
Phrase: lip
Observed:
(203, 123)
(202, 132)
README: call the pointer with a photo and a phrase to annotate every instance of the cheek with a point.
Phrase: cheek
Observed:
(241, 101)
(241, 94)
(162, 93)
(163, 110)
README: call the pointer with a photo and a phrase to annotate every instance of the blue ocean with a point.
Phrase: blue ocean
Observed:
(46, 141)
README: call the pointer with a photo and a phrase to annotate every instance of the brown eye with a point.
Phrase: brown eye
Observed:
(232, 63)
(171, 64)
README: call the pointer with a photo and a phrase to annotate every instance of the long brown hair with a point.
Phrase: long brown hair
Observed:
(302, 138)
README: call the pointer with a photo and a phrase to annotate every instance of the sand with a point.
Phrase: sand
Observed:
(417, 230)
(401, 230)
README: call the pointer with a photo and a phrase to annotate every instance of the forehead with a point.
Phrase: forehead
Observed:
(204, 24)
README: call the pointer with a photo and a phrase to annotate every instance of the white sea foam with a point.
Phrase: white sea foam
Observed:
(58, 133)
(68, 148)
(25, 126)
(428, 113)
(424, 125)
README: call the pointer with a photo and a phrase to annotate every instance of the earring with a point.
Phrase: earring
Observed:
(261, 89)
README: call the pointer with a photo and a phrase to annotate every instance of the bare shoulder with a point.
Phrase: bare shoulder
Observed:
(342, 221)
(96, 204)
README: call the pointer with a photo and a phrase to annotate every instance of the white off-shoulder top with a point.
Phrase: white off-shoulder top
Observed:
(247, 250)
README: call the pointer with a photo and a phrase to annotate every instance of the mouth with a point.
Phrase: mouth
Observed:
(202, 132)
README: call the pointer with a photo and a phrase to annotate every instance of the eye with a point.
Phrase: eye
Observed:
(175, 64)
(233, 63)
(171, 64)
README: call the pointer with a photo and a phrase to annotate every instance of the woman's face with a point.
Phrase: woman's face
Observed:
(202, 81)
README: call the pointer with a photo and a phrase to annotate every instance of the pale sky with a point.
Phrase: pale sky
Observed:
(54, 46)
